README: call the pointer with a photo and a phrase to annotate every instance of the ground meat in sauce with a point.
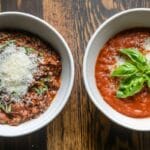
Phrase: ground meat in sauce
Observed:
(137, 105)
(33, 104)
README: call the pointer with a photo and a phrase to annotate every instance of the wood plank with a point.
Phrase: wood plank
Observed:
(81, 126)
(63, 133)
(37, 140)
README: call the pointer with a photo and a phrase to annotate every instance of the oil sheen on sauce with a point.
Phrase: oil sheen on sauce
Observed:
(138, 105)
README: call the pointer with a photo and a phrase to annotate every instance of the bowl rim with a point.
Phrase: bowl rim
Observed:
(72, 71)
(87, 87)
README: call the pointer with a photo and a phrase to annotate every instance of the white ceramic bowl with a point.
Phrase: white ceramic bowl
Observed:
(127, 19)
(39, 27)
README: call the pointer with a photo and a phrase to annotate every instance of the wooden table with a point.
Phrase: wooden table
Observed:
(80, 126)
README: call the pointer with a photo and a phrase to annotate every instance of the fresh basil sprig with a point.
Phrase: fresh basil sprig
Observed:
(137, 58)
(130, 86)
(125, 70)
(133, 74)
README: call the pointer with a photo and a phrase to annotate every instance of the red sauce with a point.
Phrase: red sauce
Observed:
(137, 105)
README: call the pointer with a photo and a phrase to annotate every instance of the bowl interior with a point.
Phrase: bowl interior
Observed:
(42, 29)
(125, 20)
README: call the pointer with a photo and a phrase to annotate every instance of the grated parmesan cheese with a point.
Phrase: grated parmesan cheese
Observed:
(16, 69)
(146, 44)
(119, 60)
(148, 57)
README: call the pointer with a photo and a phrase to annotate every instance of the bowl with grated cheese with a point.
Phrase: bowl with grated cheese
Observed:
(36, 73)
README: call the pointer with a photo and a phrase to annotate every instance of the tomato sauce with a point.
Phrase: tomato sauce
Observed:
(137, 105)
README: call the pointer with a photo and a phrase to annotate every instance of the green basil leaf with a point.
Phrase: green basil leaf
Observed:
(148, 82)
(147, 76)
(136, 57)
(130, 86)
(147, 71)
(125, 70)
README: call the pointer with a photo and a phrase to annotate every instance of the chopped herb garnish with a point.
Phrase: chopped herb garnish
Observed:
(2, 46)
(29, 50)
(10, 42)
(47, 79)
(41, 90)
(8, 108)
(41, 54)
(5, 107)
(14, 94)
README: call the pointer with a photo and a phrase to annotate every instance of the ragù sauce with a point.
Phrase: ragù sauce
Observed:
(138, 105)
(30, 75)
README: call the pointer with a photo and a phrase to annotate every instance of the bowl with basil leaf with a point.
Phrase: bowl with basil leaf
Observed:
(116, 69)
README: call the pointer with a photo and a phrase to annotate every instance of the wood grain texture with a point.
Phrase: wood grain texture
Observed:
(80, 126)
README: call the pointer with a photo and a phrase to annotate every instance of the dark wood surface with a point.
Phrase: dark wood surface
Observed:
(80, 126)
